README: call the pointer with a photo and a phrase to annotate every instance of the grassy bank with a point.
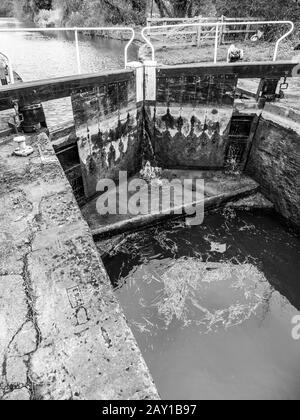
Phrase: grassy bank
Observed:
(187, 54)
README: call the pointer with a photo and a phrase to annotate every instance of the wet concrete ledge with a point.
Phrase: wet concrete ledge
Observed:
(220, 189)
(63, 334)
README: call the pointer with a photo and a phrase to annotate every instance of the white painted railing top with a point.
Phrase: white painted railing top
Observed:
(76, 31)
(218, 25)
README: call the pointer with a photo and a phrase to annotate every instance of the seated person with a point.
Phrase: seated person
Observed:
(234, 54)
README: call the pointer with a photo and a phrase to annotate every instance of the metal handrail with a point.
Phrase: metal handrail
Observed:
(218, 25)
(76, 30)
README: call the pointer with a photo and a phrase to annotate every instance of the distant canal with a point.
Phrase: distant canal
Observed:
(41, 55)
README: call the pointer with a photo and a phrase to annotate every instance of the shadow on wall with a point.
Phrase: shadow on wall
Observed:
(108, 126)
(191, 138)
(189, 125)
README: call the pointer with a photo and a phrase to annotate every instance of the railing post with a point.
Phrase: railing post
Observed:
(222, 30)
(216, 43)
(164, 36)
(248, 27)
(199, 32)
(11, 72)
(77, 52)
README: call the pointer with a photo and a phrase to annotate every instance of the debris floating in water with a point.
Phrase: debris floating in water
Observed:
(150, 173)
(212, 295)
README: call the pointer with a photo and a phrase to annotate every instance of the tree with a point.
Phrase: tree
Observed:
(262, 9)
(186, 8)
(27, 9)
(6, 7)
(95, 12)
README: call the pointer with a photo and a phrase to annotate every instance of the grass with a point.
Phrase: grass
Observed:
(185, 54)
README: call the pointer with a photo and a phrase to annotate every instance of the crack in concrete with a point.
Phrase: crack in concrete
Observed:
(11, 388)
(5, 357)
(57, 246)
(31, 316)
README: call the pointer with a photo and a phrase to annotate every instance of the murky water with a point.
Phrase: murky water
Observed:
(42, 55)
(212, 306)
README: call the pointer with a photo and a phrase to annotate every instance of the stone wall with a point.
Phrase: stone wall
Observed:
(189, 109)
(108, 128)
(275, 160)
(189, 123)
(190, 138)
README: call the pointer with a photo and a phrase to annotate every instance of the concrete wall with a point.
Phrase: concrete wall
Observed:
(275, 160)
(189, 122)
(107, 122)
(188, 111)
(63, 334)
(187, 137)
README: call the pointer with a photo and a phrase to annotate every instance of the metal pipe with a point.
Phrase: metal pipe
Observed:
(218, 24)
(76, 30)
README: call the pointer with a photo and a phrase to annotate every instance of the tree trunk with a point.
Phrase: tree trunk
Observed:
(163, 10)
(189, 6)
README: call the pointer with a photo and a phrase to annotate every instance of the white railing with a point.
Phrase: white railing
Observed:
(76, 31)
(218, 25)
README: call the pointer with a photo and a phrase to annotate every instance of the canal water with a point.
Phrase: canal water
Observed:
(42, 55)
(211, 306)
